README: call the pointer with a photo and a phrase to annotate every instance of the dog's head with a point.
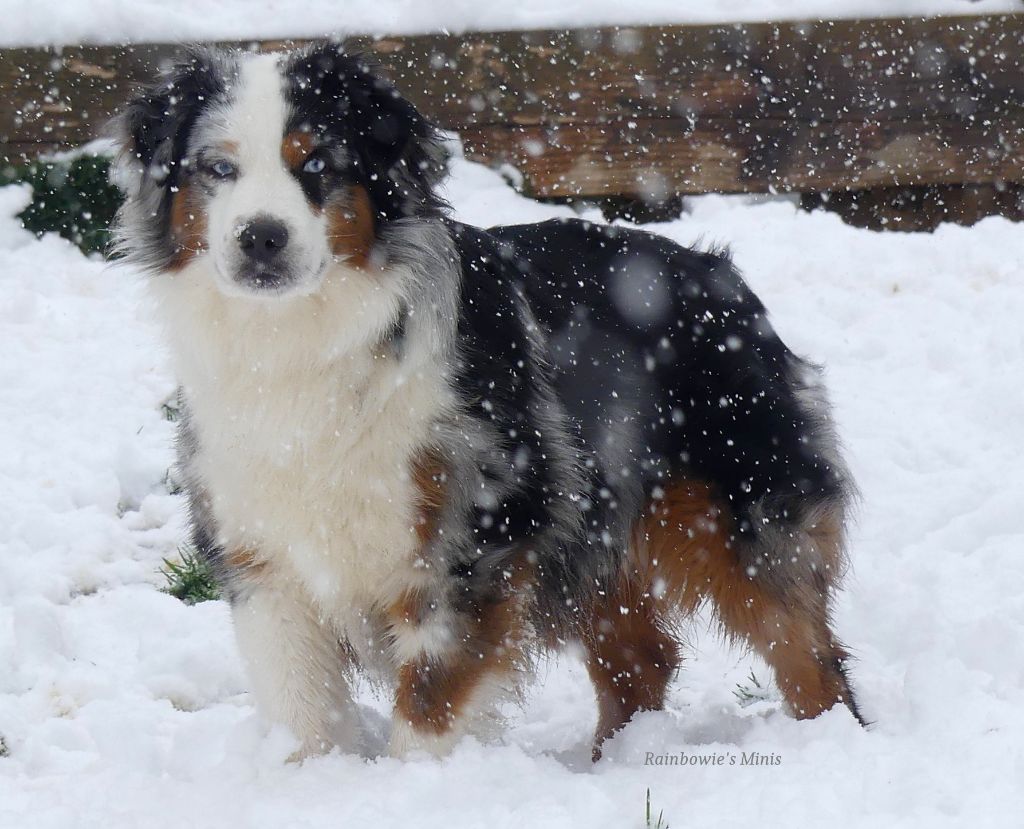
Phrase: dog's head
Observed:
(271, 168)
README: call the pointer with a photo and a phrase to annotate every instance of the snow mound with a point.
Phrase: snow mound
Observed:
(127, 21)
(121, 707)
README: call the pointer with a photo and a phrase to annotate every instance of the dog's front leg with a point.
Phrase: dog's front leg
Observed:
(297, 667)
(454, 666)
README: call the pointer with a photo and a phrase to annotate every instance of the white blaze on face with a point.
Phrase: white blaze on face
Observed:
(250, 131)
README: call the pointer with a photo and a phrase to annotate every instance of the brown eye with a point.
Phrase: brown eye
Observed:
(314, 165)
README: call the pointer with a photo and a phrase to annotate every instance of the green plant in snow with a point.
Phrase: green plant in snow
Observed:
(750, 693)
(190, 578)
(72, 197)
(659, 822)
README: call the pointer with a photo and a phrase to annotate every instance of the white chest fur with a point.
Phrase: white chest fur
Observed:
(307, 434)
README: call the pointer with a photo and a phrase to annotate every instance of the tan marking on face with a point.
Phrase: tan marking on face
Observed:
(351, 228)
(295, 149)
(188, 226)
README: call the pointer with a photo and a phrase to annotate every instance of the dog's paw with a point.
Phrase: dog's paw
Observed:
(407, 741)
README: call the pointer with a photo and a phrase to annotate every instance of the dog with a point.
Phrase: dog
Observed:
(430, 452)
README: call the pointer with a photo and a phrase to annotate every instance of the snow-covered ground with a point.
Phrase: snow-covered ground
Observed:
(120, 21)
(122, 707)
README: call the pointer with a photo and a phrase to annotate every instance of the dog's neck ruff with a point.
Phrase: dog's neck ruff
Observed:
(300, 413)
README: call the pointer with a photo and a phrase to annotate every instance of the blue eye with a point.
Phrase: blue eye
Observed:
(222, 169)
(314, 165)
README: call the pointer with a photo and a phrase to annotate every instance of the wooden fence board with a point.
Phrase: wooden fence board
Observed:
(642, 112)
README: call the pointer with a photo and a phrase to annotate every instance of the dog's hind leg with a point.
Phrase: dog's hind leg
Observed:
(771, 592)
(781, 605)
(630, 657)
(297, 667)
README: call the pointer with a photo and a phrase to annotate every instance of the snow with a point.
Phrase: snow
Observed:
(121, 21)
(122, 707)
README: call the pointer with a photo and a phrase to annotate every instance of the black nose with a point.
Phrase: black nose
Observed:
(263, 239)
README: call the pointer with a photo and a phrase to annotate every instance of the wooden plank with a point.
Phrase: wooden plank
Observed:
(920, 208)
(650, 112)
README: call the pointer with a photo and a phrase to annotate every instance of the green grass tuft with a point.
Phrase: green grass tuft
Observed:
(171, 409)
(190, 578)
(71, 197)
(751, 693)
(660, 822)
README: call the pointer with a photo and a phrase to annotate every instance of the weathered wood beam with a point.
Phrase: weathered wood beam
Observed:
(650, 112)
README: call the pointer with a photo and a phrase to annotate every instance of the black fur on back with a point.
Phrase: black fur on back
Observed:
(713, 381)
(664, 367)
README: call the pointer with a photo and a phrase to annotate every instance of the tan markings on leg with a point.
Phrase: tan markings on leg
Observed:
(246, 560)
(295, 148)
(418, 625)
(630, 658)
(435, 691)
(417, 621)
(684, 551)
(827, 530)
(351, 228)
(430, 477)
(411, 608)
(188, 225)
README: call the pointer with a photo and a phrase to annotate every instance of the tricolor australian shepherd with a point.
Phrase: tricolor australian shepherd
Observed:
(429, 451)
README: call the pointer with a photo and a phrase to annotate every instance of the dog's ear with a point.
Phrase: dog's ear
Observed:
(154, 128)
(401, 154)
(405, 148)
